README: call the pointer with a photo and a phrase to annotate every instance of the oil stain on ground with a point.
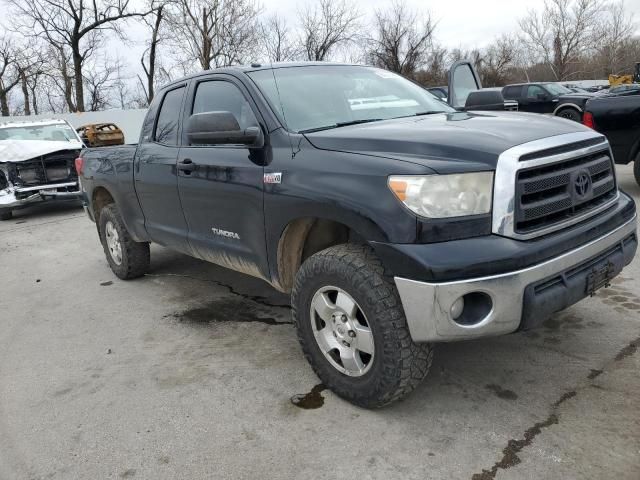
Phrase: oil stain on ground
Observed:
(628, 350)
(311, 400)
(228, 310)
(501, 392)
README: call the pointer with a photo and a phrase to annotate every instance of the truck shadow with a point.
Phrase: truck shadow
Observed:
(524, 368)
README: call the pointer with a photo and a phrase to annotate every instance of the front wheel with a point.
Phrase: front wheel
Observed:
(570, 114)
(636, 168)
(352, 327)
(127, 258)
(6, 215)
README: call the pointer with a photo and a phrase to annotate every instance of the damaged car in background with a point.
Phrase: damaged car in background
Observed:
(37, 164)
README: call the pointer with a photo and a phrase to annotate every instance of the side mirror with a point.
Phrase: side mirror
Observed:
(463, 79)
(221, 128)
(543, 96)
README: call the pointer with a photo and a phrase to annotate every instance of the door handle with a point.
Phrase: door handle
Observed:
(187, 166)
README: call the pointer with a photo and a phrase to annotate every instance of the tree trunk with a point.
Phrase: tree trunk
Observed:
(77, 75)
(25, 93)
(4, 103)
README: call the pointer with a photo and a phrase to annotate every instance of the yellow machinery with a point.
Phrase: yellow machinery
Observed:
(615, 80)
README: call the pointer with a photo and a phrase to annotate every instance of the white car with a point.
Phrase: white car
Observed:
(37, 163)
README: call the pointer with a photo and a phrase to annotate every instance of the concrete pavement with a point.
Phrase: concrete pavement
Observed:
(189, 372)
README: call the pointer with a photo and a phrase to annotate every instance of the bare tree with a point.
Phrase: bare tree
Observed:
(498, 61)
(102, 84)
(277, 41)
(149, 60)
(9, 76)
(328, 25)
(562, 32)
(74, 26)
(617, 29)
(402, 39)
(215, 32)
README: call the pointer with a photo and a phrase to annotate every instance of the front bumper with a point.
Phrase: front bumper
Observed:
(517, 299)
(19, 197)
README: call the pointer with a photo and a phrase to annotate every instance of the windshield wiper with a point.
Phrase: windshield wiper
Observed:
(340, 124)
(428, 112)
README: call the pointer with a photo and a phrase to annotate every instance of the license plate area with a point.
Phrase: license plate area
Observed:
(600, 277)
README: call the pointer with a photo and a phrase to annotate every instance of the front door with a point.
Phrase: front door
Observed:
(156, 182)
(537, 100)
(221, 186)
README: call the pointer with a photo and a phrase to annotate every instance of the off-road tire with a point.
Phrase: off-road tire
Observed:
(135, 255)
(636, 169)
(570, 114)
(6, 215)
(399, 364)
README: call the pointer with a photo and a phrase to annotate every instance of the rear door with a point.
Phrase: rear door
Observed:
(221, 186)
(156, 182)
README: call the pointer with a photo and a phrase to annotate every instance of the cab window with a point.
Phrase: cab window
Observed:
(167, 125)
(221, 96)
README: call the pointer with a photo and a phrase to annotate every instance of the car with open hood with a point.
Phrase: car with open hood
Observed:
(37, 163)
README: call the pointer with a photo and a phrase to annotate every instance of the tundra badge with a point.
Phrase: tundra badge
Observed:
(224, 233)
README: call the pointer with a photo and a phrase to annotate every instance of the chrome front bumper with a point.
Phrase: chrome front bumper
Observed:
(427, 306)
(36, 194)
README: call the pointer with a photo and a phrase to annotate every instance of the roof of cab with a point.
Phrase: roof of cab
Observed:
(235, 69)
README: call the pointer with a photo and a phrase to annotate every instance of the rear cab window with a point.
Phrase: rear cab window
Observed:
(512, 93)
(166, 131)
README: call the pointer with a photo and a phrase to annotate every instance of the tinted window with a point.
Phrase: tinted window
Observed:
(218, 96)
(512, 93)
(167, 124)
(534, 90)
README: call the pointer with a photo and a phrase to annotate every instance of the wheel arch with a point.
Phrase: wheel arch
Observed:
(304, 236)
(573, 106)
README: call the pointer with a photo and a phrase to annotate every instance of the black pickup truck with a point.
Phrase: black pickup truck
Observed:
(394, 221)
(551, 98)
(618, 117)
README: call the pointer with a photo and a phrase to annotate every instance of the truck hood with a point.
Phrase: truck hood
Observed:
(445, 142)
(23, 150)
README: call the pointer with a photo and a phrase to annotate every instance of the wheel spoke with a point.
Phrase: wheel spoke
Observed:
(351, 360)
(323, 307)
(364, 339)
(346, 303)
(325, 340)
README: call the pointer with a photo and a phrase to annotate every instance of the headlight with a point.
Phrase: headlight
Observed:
(443, 196)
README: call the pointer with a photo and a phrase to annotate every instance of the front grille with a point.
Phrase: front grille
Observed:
(52, 168)
(553, 193)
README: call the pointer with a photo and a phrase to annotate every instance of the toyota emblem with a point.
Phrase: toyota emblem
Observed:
(582, 184)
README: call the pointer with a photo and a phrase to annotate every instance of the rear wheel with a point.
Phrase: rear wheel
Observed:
(352, 327)
(6, 215)
(570, 114)
(127, 258)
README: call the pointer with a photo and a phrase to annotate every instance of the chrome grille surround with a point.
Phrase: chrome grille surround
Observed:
(529, 155)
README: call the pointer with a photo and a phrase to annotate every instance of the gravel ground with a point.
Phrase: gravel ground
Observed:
(189, 373)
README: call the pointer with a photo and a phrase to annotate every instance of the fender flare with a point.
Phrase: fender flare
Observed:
(567, 105)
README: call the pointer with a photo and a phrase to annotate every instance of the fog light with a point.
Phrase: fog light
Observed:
(457, 308)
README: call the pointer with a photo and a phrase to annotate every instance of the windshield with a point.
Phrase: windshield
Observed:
(556, 89)
(318, 97)
(60, 132)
